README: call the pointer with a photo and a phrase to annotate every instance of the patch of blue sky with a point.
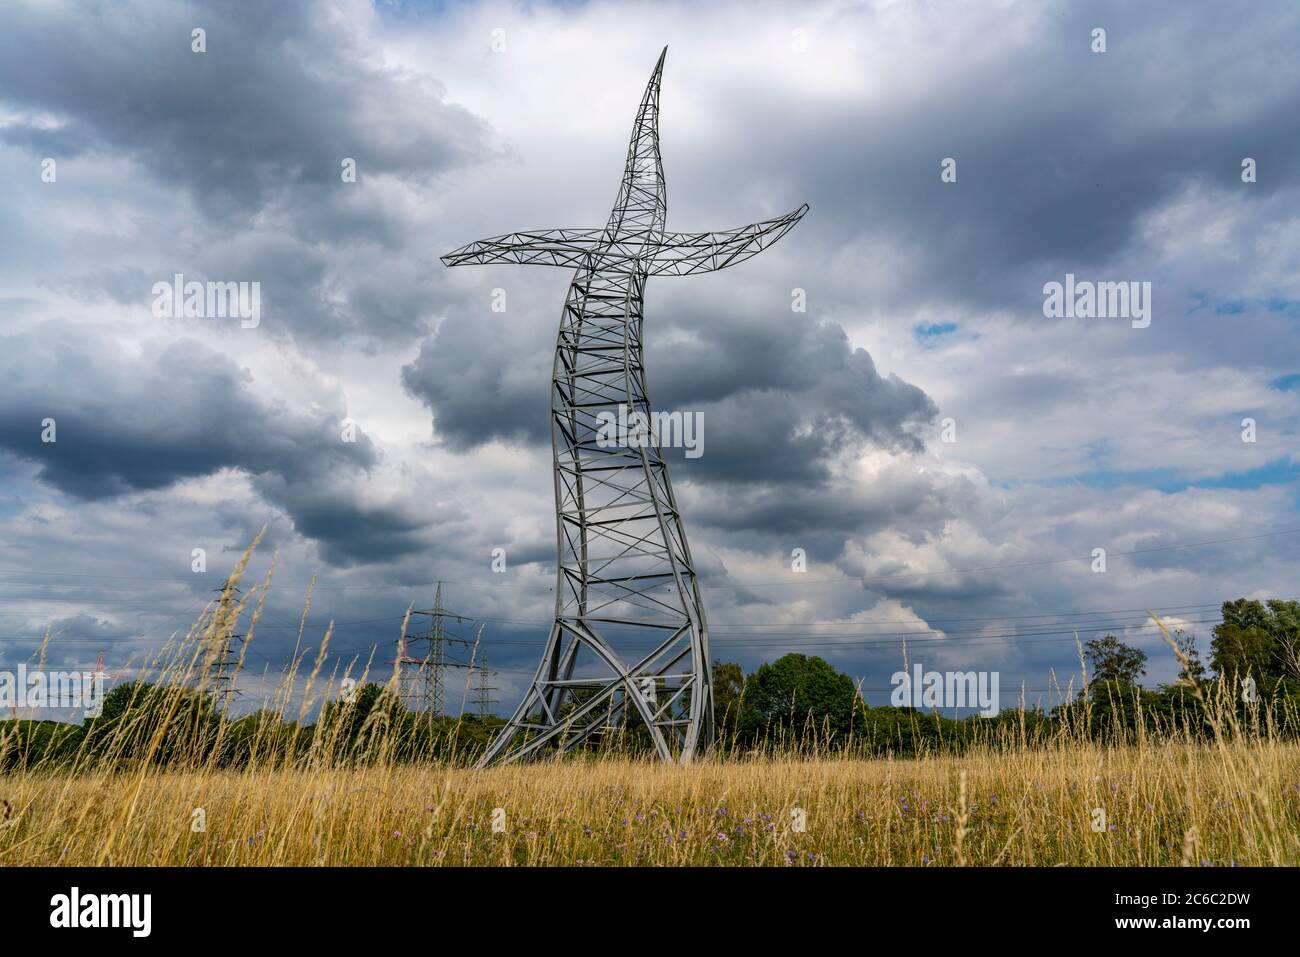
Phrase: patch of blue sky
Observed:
(927, 333)
(1277, 472)
(1236, 307)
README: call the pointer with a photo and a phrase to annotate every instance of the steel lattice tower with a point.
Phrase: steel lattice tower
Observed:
(220, 661)
(426, 687)
(629, 636)
(482, 701)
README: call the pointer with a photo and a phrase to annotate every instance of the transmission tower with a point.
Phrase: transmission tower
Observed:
(222, 670)
(482, 700)
(408, 672)
(629, 635)
(432, 655)
(219, 657)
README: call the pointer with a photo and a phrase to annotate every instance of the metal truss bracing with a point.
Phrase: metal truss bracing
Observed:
(629, 639)
(679, 254)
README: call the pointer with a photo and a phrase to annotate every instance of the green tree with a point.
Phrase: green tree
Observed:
(26, 743)
(1112, 660)
(161, 723)
(1286, 629)
(796, 696)
(262, 737)
(1258, 638)
(728, 687)
(1193, 670)
(358, 726)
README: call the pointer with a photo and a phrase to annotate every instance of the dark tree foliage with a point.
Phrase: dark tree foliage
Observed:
(359, 729)
(1257, 638)
(153, 723)
(785, 702)
(1190, 666)
(798, 695)
(728, 687)
(26, 744)
(1112, 660)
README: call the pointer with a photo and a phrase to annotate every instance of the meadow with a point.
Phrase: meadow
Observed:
(159, 779)
(1231, 804)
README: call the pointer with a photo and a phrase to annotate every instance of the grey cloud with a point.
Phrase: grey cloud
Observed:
(126, 285)
(125, 424)
(822, 518)
(347, 531)
(484, 380)
(254, 132)
(282, 95)
(779, 397)
(89, 627)
(1059, 156)
(782, 396)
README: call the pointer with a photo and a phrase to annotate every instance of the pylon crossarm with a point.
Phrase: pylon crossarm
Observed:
(674, 254)
(685, 254)
(551, 247)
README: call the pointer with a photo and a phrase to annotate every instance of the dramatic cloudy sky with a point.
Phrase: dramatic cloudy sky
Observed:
(822, 429)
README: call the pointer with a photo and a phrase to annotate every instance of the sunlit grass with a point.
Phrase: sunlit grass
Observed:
(1239, 804)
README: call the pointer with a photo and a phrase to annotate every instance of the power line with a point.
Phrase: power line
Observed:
(705, 582)
(322, 619)
(269, 624)
(728, 632)
(831, 641)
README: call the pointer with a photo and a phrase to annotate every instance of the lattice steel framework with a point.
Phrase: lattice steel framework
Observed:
(629, 636)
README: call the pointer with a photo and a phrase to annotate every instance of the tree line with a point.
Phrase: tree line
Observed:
(798, 703)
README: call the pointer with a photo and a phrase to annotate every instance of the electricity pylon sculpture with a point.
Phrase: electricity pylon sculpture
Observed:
(629, 634)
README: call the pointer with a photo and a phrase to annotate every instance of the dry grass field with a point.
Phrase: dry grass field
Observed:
(1162, 805)
(149, 787)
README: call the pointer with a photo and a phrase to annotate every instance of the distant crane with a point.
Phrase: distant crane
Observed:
(96, 708)
(99, 667)
(406, 681)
